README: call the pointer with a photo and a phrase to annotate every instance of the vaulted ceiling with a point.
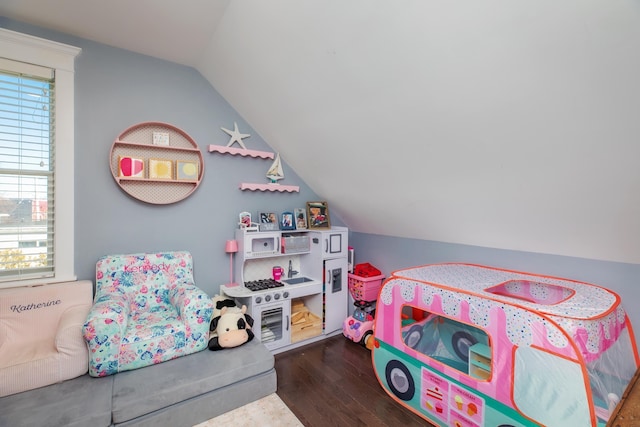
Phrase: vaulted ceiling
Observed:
(437, 120)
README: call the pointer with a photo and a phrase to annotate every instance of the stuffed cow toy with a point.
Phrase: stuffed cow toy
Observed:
(230, 325)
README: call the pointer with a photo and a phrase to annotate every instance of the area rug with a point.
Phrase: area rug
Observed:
(269, 411)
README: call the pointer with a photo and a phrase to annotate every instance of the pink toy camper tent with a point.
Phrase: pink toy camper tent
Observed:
(466, 346)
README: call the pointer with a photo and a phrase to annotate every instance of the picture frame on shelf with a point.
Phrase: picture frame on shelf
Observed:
(268, 221)
(300, 215)
(160, 169)
(186, 170)
(318, 215)
(130, 167)
(244, 219)
(161, 138)
(287, 221)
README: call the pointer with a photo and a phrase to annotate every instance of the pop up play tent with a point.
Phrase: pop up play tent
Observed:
(466, 345)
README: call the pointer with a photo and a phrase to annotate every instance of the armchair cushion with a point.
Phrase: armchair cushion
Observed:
(147, 310)
(41, 334)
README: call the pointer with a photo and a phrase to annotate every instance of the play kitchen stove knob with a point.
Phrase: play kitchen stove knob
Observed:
(258, 300)
(276, 296)
(285, 295)
(267, 298)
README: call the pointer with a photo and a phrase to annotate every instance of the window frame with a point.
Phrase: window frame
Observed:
(61, 58)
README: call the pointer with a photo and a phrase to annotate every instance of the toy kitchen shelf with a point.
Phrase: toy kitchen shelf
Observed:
(149, 147)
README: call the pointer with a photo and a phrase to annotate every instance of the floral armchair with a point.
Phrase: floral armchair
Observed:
(146, 310)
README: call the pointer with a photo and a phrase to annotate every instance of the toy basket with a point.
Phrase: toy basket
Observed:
(364, 288)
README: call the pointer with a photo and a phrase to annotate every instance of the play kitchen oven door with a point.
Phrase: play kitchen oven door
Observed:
(272, 323)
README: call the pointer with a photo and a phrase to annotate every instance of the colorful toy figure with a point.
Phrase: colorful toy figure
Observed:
(467, 346)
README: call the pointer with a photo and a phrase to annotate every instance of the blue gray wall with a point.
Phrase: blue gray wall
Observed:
(116, 89)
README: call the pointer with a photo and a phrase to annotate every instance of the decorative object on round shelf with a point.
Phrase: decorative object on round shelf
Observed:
(156, 163)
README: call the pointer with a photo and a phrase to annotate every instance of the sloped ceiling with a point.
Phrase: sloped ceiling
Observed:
(498, 123)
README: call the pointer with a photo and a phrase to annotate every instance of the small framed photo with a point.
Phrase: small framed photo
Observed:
(287, 222)
(245, 219)
(160, 169)
(318, 215)
(160, 138)
(301, 218)
(268, 221)
(130, 167)
(186, 170)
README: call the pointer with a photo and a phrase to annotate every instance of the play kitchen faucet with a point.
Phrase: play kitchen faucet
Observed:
(291, 272)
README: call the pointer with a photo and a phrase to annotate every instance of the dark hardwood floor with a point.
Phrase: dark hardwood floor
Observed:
(332, 383)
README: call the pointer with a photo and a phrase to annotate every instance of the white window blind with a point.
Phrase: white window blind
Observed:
(37, 59)
(27, 172)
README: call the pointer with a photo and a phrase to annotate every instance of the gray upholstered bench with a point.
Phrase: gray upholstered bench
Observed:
(181, 392)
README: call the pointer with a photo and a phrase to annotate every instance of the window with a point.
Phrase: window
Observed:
(36, 160)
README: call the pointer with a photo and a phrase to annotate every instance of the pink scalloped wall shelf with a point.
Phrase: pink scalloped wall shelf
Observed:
(240, 151)
(269, 187)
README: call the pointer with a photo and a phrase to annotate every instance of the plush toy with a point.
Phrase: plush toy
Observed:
(230, 325)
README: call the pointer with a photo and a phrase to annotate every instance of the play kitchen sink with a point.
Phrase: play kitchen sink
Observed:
(296, 280)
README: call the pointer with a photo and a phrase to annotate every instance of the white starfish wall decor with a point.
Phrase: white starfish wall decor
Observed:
(236, 136)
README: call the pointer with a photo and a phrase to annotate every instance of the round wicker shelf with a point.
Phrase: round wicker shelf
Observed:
(166, 171)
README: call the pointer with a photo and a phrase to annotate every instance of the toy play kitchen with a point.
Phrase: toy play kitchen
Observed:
(294, 283)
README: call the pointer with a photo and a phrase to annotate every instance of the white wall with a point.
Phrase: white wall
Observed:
(496, 123)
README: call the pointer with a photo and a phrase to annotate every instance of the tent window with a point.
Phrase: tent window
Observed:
(456, 344)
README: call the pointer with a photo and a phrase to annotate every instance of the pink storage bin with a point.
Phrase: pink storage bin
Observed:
(365, 288)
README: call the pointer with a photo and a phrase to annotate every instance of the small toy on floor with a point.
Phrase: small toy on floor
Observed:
(230, 325)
